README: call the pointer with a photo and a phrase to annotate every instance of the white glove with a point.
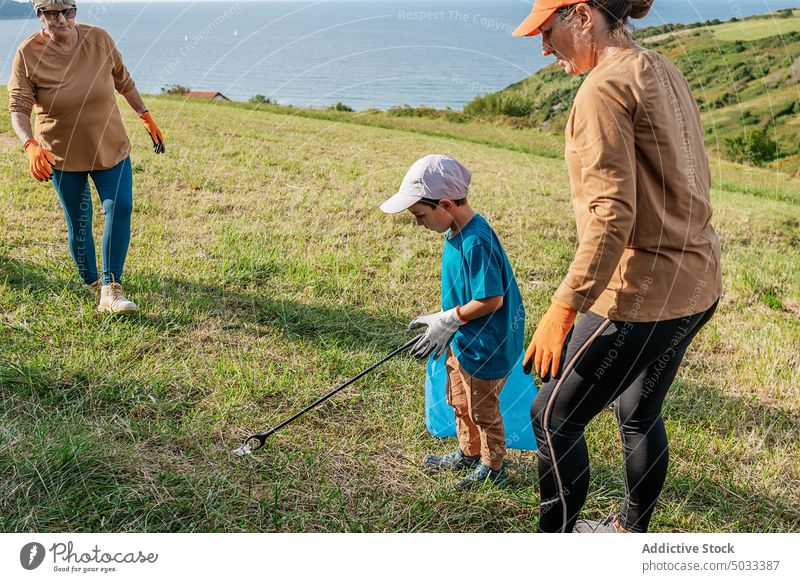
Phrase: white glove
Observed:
(442, 327)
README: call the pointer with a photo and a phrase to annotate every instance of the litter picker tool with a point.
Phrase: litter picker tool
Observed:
(256, 441)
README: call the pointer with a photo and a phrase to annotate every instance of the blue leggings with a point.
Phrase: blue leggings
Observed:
(115, 188)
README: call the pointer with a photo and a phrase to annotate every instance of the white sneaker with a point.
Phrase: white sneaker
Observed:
(113, 301)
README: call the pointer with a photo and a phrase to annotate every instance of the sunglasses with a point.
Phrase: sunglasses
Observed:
(68, 13)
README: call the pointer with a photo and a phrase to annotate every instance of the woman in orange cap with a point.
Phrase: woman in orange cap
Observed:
(67, 73)
(646, 273)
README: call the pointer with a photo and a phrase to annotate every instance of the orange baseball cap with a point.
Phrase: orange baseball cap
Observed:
(542, 10)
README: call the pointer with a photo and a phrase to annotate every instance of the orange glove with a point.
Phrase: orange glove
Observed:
(544, 352)
(40, 161)
(155, 133)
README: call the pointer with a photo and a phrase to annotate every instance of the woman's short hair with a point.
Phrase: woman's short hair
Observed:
(617, 12)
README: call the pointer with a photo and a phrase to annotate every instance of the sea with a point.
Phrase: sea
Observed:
(375, 54)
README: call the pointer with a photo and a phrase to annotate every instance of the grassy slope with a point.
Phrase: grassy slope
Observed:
(266, 274)
(757, 29)
(744, 74)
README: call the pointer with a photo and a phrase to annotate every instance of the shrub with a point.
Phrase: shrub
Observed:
(510, 104)
(753, 147)
(743, 72)
(262, 100)
(174, 89)
(789, 108)
(428, 112)
(341, 107)
(724, 100)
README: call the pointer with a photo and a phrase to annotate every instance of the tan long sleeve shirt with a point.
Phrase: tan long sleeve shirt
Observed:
(640, 184)
(77, 117)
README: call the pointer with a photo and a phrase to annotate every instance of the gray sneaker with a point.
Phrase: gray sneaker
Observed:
(481, 475)
(591, 526)
(450, 462)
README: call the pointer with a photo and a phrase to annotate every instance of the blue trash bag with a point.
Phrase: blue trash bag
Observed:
(516, 399)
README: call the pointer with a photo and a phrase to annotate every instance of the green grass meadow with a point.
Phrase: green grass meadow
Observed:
(743, 73)
(266, 275)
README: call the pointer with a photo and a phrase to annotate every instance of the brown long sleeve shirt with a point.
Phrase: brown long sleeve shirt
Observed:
(77, 117)
(640, 184)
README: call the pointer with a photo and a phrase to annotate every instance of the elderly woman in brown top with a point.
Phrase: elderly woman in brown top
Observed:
(647, 269)
(67, 74)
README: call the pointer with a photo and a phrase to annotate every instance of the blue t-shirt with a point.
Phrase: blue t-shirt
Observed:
(475, 266)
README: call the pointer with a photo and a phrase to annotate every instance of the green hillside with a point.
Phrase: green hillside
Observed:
(266, 274)
(744, 74)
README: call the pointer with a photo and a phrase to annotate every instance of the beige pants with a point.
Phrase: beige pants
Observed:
(479, 424)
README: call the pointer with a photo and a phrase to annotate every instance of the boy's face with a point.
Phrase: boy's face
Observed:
(437, 219)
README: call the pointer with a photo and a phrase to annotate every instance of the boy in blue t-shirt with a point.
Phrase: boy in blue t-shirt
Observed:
(482, 313)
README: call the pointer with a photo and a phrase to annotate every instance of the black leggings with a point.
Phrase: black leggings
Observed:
(604, 361)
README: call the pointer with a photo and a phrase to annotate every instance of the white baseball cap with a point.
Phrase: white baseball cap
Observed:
(435, 177)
